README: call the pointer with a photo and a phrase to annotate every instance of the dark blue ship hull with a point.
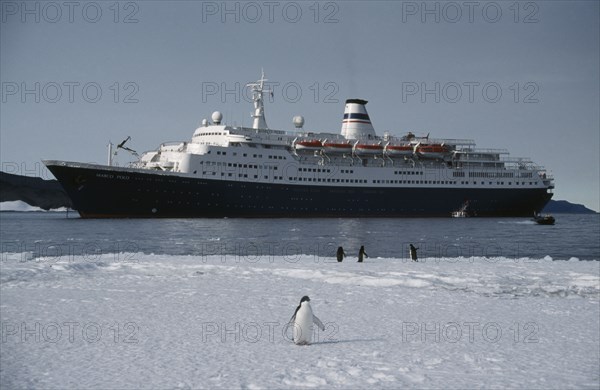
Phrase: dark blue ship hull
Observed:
(103, 192)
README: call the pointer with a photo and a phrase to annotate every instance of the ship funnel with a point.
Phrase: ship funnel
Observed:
(356, 123)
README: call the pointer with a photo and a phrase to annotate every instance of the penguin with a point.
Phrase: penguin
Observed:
(413, 252)
(302, 321)
(340, 254)
(361, 253)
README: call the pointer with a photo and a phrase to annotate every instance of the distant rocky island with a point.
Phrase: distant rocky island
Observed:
(49, 194)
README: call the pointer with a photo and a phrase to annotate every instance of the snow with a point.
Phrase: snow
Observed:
(133, 320)
(19, 205)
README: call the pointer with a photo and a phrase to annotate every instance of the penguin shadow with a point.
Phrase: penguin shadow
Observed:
(346, 341)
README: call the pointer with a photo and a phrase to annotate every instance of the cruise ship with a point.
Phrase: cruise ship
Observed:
(233, 171)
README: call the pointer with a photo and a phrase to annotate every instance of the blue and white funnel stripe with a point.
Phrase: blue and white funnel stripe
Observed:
(356, 123)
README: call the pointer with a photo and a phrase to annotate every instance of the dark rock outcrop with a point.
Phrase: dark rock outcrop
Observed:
(46, 194)
(562, 206)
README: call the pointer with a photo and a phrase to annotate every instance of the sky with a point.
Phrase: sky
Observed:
(521, 76)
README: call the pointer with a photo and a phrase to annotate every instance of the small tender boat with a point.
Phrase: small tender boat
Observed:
(546, 219)
(433, 151)
(308, 145)
(462, 212)
(370, 149)
(398, 150)
(336, 148)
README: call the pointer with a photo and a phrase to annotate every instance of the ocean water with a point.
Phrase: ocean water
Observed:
(52, 234)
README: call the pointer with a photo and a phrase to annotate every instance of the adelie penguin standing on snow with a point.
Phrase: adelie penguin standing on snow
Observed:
(413, 252)
(361, 254)
(340, 254)
(302, 321)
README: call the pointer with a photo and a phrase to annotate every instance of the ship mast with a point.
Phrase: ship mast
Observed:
(258, 89)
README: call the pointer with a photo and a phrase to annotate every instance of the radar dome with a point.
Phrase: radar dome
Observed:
(217, 117)
(204, 122)
(298, 121)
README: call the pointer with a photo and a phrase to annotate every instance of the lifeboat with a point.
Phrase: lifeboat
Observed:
(308, 145)
(433, 151)
(398, 150)
(368, 149)
(337, 148)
